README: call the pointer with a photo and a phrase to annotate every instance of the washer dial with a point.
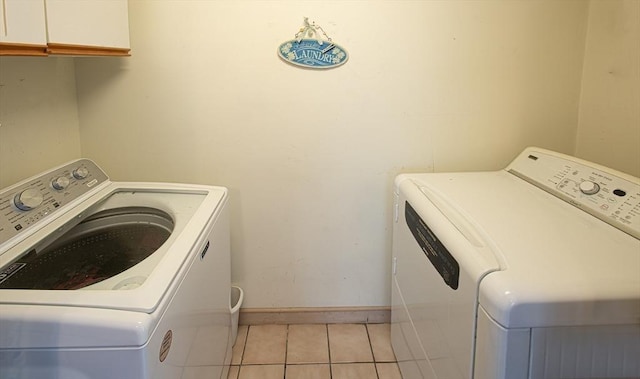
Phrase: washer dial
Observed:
(60, 183)
(589, 188)
(28, 199)
(80, 173)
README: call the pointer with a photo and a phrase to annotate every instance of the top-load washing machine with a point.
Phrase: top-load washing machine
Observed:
(105, 280)
(528, 272)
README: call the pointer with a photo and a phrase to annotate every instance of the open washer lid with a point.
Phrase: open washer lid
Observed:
(185, 212)
(138, 285)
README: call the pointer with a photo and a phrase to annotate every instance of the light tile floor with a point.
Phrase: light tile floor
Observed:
(314, 351)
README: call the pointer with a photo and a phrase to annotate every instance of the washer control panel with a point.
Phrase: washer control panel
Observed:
(612, 196)
(33, 200)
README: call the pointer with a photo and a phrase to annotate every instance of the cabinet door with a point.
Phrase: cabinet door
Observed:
(88, 27)
(22, 27)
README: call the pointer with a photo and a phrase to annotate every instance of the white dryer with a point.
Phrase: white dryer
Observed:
(528, 272)
(103, 280)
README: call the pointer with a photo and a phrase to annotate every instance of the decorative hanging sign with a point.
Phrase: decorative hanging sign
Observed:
(312, 52)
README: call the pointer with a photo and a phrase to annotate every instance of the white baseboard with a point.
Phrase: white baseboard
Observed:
(324, 315)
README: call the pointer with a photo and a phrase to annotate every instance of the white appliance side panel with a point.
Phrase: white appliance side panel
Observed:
(103, 363)
(198, 315)
(500, 353)
(428, 303)
(42, 327)
(412, 360)
(443, 317)
(609, 351)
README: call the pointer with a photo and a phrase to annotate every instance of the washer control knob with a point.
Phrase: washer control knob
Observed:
(60, 183)
(589, 188)
(28, 199)
(80, 173)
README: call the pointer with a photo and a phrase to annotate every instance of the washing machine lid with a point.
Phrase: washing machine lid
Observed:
(143, 285)
(560, 264)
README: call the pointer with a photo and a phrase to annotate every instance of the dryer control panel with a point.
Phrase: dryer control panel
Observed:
(31, 201)
(612, 196)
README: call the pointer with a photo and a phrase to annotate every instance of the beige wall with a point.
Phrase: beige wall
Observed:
(38, 116)
(310, 156)
(609, 127)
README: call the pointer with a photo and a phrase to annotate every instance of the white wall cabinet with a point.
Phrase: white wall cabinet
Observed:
(68, 27)
(22, 27)
(88, 27)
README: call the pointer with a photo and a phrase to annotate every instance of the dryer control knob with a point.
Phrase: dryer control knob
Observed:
(80, 173)
(60, 183)
(28, 199)
(589, 188)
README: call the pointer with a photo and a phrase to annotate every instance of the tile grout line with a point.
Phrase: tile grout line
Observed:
(286, 350)
(326, 328)
(244, 348)
(373, 356)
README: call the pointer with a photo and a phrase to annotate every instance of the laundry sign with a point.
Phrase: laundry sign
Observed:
(306, 51)
(313, 54)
